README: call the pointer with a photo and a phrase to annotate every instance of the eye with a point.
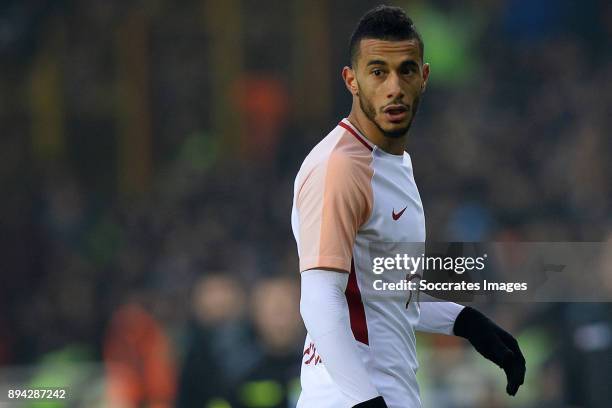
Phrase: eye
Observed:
(377, 72)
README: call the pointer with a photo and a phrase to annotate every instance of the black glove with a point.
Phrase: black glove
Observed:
(377, 402)
(494, 343)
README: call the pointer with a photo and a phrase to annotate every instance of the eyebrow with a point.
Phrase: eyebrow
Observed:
(376, 62)
(409, 62)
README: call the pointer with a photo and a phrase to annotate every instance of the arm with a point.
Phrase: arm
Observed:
(332, 201)
(437, 316)
(325, 312)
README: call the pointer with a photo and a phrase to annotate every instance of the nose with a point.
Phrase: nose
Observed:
(394, 90)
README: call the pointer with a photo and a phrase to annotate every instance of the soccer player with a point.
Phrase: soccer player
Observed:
(354, 188)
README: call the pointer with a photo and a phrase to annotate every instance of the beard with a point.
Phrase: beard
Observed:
(370, 113)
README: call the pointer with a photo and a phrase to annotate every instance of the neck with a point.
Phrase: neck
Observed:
(392, 145)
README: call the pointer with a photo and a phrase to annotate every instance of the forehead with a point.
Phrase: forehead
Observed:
(371, 48)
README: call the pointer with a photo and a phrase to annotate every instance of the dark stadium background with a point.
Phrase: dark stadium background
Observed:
(148, 155)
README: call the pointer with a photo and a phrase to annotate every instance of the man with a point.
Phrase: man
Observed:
(356, 188)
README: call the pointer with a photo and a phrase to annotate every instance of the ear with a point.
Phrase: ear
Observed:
(348, 74)
(425, 76)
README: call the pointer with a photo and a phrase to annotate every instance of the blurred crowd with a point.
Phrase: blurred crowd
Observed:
(149, 151)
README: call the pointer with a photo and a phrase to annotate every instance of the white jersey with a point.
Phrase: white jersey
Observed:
(349, 194)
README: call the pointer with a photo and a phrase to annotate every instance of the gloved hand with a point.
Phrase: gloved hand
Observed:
(494, 343)
(377, 402)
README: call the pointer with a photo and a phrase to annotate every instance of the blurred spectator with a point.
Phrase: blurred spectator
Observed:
(219, 349)
(264, 105)
(140, 365)
(274, 381)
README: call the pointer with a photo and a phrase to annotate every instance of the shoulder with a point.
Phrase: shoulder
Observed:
(339, 156)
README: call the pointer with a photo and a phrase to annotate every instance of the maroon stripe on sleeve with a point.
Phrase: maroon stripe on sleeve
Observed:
(350, 129)
(356, 309)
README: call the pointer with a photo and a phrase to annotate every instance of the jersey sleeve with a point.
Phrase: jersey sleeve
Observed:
(437, 316)
(334, 200)
(325, 312)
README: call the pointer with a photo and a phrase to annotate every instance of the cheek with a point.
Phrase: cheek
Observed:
(375, 94)
(413, 88)
(375, 101)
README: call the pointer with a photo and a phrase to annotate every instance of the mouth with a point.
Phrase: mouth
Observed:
(396, 113)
